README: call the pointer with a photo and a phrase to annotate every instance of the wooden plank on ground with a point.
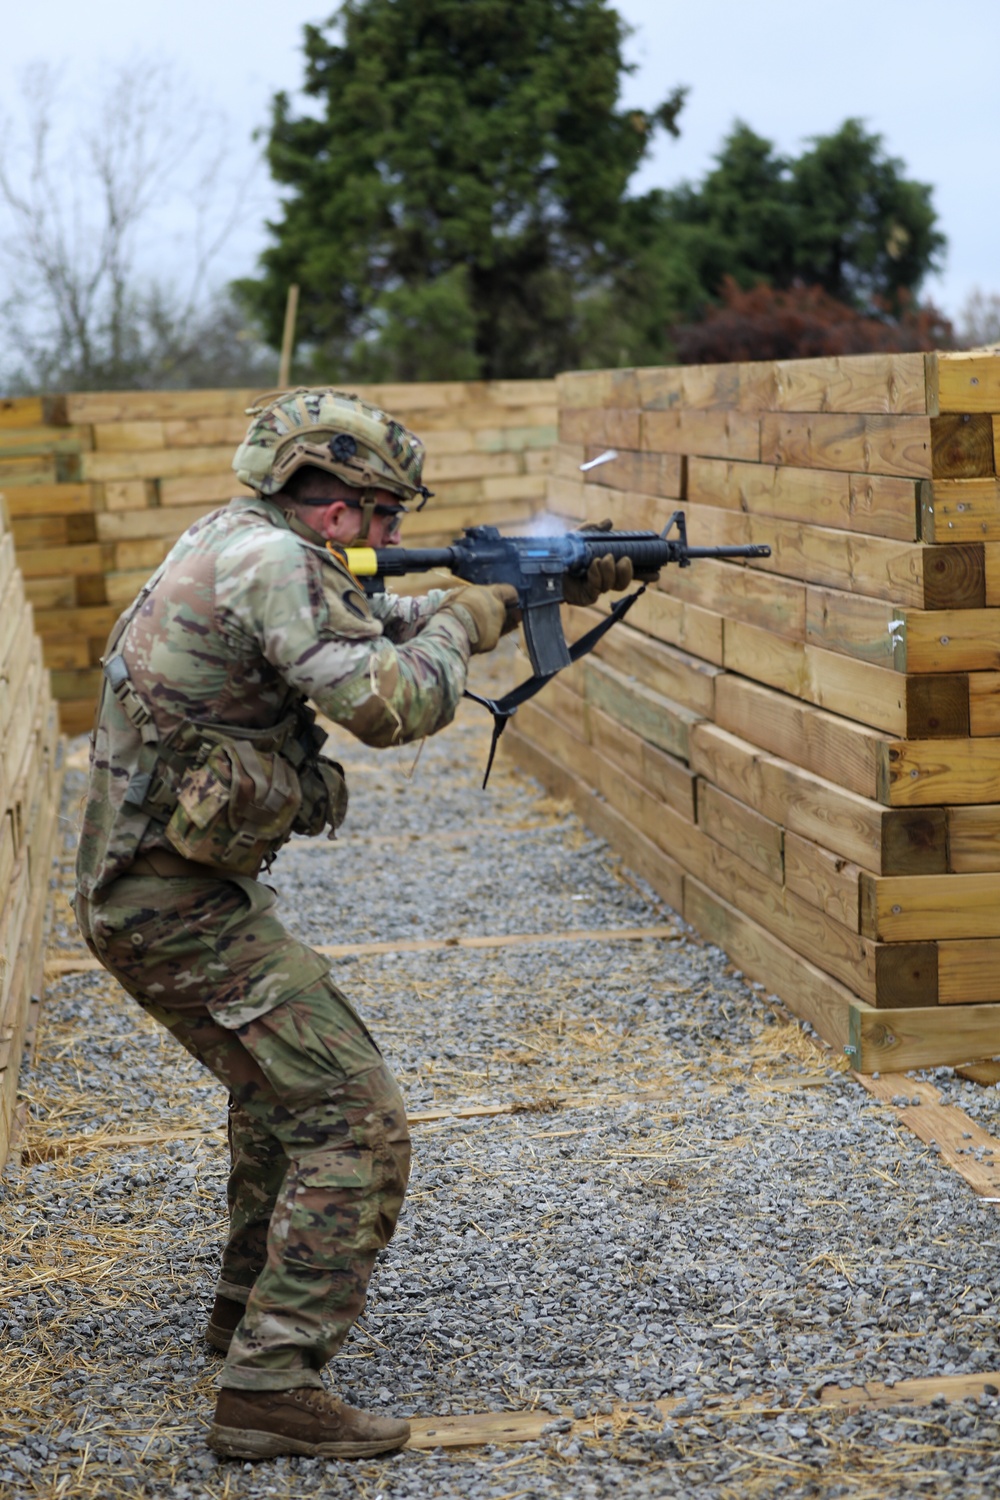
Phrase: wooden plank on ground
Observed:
(961, 1142)
(986, 1073)
(77, 963)
(875, 1396)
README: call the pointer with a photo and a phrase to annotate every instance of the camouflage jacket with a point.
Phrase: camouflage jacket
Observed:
(243, 619)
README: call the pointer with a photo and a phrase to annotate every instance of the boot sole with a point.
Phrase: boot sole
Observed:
(238, 1442)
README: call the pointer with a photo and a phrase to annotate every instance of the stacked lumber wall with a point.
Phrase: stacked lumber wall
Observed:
(99, 486)
(30, 779)
(802, 754)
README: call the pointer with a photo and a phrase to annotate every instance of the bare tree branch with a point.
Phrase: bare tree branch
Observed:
(87, 206)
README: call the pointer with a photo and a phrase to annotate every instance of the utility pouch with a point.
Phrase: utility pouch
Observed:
(236, 807)
(324, 797)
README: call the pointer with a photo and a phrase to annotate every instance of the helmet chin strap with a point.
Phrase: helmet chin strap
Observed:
(367, 508)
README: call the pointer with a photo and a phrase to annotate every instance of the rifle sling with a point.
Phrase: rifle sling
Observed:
(506, 707)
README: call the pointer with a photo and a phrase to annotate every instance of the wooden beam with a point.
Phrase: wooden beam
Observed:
(910, 908)
(974, 838)
(961, 1142)
(876, 504)
(960, 510)
(715, 434)
(936, 773)
(76, 963)
(875, 383)
(962, 445)
(854, 444)
(967, 381)
(937, 1036)
(829, 746)
(856, 828)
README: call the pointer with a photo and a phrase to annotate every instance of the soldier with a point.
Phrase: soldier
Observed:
(205, 758)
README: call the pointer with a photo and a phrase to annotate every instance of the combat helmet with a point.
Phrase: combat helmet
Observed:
(331, 430)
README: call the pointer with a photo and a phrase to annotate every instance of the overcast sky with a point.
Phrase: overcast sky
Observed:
(919, 73)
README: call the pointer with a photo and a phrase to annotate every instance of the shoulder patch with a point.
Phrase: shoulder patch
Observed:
(356, 603)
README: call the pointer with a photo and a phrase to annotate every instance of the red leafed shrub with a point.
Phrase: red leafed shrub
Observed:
(801, 322)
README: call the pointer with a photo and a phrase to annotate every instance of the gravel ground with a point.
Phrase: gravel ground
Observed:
(693, 1200)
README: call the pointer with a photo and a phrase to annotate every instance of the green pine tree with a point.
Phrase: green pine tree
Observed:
(455, 200)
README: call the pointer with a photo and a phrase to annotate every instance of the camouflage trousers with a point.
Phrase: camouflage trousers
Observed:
(319, 1146)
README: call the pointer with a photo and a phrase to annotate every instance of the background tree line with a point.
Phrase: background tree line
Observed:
(455, 204)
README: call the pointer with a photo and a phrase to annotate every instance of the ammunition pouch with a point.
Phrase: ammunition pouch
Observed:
(228, 796)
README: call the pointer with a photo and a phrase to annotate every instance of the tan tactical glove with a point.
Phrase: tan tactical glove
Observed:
(604, 575)
(487, 612)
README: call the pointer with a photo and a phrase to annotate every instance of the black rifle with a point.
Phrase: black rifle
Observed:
(536, 567)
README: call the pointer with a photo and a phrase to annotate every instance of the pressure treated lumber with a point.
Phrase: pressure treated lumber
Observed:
(925, 773)
(30, 777)
(960, 510)
(974, 838)
(969, 972)
(898, 908)
(869, 503)
(965, 382)
(875, 383)
(836, 749)
(860, 676)
(147, 464)
(880, 839)
(962, 445)
(854, 444)
(934, 706)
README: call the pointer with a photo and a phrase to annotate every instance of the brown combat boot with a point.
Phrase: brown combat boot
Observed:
(307, 1421)
(222, 1321)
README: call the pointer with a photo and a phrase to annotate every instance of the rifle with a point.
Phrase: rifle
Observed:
(536, 566)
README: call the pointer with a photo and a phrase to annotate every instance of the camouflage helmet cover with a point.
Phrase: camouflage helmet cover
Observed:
(331, 430)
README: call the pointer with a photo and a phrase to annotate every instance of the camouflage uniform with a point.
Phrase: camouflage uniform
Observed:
(245, 617)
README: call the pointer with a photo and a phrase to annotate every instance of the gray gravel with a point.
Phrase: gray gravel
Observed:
(695, 1202)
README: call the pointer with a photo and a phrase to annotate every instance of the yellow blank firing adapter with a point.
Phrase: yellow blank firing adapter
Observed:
(362, 561)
